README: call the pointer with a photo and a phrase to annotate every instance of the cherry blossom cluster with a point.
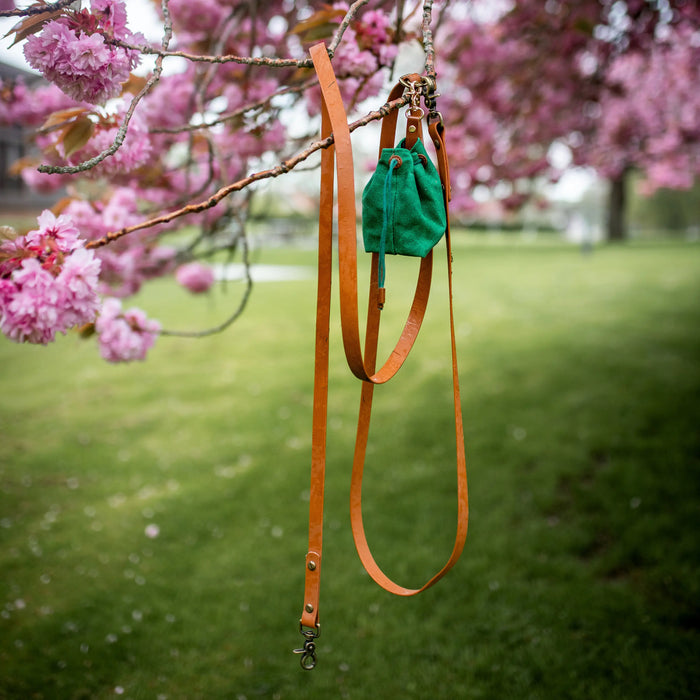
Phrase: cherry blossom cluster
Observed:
(74, 53)
(613, 82)
(126, 264)
(164, 159)
(48, 282)
(124, 336)
(196, 277)
(368, 47)
(135, 152)
(660, 130)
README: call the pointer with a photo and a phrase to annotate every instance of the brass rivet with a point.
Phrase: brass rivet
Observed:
(437, 143)
(309, 608)
(412, 128)
(311, 566)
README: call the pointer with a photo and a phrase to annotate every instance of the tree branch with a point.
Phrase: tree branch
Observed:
(155, 77)
(278, 170)
(239, 309)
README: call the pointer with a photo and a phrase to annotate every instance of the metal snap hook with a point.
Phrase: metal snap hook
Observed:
(308, 651)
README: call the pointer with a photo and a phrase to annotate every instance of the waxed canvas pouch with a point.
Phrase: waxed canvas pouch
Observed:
(403, 206)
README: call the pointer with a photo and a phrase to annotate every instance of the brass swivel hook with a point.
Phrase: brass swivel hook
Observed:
(308, 651)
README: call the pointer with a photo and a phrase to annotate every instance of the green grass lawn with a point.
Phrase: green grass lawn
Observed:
(581, 392)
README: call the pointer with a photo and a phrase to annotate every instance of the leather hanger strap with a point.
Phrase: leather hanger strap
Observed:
(362, 365)
(336, 123)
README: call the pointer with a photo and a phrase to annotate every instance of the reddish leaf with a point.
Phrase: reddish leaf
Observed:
(77, 135)
(87, 330)
(320, 25)
(134, 84)
(33, 24)
(62, 118)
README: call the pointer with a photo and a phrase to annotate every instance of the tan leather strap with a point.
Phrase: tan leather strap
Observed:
(362, 364)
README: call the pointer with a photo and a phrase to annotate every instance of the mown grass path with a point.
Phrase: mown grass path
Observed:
(152, 517)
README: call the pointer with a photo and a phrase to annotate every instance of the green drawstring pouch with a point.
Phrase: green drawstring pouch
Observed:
(403, 206)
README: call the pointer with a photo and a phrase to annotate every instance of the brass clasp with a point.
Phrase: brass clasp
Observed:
(308, 651)
(425, 87)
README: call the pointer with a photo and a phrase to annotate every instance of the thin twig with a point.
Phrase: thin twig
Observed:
(265, 61)
(228, 58)
(252, 14)
(239, 309)
(37, 9)
(428, 47)
(122, 131)
(278, 170)
(253, 106)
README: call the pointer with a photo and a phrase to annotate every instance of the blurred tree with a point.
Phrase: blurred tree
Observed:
(612, 82)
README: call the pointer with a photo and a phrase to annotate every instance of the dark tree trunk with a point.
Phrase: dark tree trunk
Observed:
(617, 209)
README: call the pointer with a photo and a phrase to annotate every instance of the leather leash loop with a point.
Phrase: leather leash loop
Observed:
(363, 363)
(334, 120)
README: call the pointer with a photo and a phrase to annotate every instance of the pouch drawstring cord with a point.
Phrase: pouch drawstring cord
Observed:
(388, 211)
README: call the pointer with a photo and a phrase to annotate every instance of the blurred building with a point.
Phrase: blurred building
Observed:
(15, 143)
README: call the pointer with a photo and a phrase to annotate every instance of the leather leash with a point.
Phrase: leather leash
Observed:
(363, 365)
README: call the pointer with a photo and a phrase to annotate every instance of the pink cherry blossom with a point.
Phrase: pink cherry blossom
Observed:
(351, 60)
(30, 311)
(52, 228)
(374, 28)
(128, 263)
(197, 18)
(124, 336)
(72, 53)
(195, 277)
(152, 530)
(43, 183)
(111, 16)
(78, 283)
(48, 282)
(35, 305)
(23, 106)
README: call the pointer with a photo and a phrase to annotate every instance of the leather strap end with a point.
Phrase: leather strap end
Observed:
(309, 616)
